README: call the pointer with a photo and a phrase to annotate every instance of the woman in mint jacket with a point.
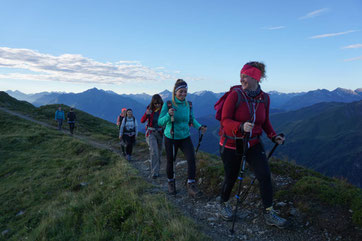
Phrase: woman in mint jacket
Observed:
(180, 110)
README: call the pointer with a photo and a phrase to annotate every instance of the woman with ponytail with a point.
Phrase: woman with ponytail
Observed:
(177, 117)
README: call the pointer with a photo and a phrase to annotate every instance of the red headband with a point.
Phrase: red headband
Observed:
(251, 71)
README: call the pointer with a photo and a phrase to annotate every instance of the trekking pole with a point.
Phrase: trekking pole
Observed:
(240, 177)
(200, 140)
(245, 194)
(269, 155)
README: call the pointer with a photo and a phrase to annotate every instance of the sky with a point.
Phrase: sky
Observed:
(143, 46)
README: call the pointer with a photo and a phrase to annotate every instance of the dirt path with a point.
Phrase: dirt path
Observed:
(250, 224)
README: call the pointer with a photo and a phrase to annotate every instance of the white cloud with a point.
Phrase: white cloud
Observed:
(275, 28)
(74, 68)
(353, 59)
(314, 13)
(333, 34)
(353, 46)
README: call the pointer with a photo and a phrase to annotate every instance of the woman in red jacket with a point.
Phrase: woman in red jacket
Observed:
(248, 118)
(154, 135)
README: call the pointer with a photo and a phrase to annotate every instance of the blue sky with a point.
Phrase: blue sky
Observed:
(144, 46)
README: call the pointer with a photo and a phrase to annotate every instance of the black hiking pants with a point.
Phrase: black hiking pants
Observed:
(187, 148)
(256, 158)
(71, 128)
(130, 141)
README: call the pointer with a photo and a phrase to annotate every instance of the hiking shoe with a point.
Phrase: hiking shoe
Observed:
(129, 158)
(271, 218)
(192, 190)
(225, 211)
(172, 187)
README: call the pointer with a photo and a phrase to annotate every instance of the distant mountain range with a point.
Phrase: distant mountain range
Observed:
(107, 104)
(321, 134)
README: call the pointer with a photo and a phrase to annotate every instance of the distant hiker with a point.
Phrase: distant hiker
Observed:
(177, 135)
(120, 117)
(128, 132)
(119, 122)
(245, 112)
(71, 117)
(59, 117)
(154, 133)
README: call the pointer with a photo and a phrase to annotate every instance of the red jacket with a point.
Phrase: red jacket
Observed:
(232, 120)
(146, 117)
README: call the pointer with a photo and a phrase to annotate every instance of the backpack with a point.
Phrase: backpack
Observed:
(119, 120)
(71, 116)
(134, 124)
(169, 106)
(241, 98)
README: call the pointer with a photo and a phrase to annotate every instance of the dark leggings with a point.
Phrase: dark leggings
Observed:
(187, 148)
(71, 127)
(129, 140)
(256, 158)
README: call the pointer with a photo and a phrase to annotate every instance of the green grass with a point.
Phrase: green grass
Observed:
(311, 186)
(68, 190)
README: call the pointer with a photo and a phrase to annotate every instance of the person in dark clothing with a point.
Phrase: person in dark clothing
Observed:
(59, 117)
(72, 118)
(250, 118)
(154, 133)
(128, 133)
(119, 123)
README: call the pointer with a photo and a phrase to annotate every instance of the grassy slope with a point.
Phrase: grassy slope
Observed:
(69, 190)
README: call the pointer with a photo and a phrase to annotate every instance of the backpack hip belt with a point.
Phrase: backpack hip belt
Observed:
(235, 138)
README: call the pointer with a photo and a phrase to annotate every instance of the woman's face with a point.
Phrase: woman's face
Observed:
(181, 94)
(247, 82)
(129, 113)
(157, 104)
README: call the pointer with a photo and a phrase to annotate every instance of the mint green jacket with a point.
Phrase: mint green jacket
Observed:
(182, 116)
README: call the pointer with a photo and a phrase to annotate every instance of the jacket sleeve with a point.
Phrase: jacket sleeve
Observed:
(229, 125)
(122, 127)
(63, 115)
(144, 117)
(136, 127)
(267, 127)
(164, 117)
(55, 117)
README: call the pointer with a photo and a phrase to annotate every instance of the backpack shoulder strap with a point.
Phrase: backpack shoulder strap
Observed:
(266, 100)
(190, 118)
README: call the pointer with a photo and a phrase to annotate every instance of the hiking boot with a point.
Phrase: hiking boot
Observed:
(172, 187)
(271, 218)
(192, 190)
(225, 211)
(129, 158)
(155, 176)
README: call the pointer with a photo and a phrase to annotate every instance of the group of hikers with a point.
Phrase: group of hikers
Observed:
(243, 113)
(71, 119)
